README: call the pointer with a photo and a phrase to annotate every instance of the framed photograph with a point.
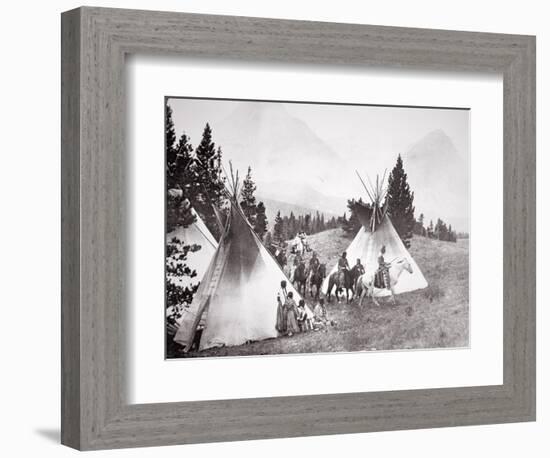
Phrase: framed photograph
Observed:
(278, 228)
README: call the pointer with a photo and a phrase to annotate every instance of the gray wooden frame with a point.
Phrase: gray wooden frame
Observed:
(95, 413)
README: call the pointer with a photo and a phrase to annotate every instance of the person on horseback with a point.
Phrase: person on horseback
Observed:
(303, 238)
(343, 263)
(383, 272)
(314, 262)
(359, 268)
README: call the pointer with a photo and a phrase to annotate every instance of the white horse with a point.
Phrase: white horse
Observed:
(365, 283)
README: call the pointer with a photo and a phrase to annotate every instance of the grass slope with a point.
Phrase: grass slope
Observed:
(435, 317)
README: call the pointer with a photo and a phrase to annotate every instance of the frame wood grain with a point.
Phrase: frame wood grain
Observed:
(95, 41)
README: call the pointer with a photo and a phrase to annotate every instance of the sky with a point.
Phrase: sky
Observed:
(362, 137)
(391, 129)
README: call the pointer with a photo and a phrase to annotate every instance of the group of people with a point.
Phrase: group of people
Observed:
(382, 277)
(292, 317)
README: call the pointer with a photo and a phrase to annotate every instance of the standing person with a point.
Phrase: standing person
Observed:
(290, 313)
(383, 269)
(301, 315)
(281, 316)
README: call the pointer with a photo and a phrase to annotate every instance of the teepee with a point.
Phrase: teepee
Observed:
(195, 234)
(237, 298)
(377, 230)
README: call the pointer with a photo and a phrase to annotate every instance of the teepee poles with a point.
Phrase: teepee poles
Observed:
(377, 195)
(364, 185)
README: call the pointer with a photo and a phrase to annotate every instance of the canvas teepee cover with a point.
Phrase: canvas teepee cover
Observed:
(195, 234)
(377, 230)
(238, 292)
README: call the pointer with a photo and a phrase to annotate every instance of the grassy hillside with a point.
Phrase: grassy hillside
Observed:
(435, 317)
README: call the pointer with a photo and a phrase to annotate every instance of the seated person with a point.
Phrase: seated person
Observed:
(320, 320)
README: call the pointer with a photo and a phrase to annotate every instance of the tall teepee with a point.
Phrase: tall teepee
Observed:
(377, 230)
(237, 298)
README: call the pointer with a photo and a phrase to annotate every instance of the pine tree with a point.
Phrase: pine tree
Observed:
(419, 225)
(260, 224)
(292, 226)
(179, 173)
(451, 235)
(178, 213)
(170, 136)
(210, 190)
(176, 268)
(400, 203)
(430, 230)
(268, 240)
(307, 223)
(248, 201)
(352, 225)
(278, 229)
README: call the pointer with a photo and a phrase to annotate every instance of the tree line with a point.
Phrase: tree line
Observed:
(440, 231)
(286, 227)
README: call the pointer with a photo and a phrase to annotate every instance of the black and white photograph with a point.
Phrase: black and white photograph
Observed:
(299, 227)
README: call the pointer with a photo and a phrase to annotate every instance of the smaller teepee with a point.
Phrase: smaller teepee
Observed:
(377, 230)
(237, 298)
(195, 234)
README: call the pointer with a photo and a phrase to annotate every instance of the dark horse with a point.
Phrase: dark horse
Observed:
(317, 277)
(300, 277)
(343, 279)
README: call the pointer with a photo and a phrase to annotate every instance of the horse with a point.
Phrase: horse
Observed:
(287, 270)
(343, 280)
(316, 279)
(300, 277)
(355, 272)
(366, 282)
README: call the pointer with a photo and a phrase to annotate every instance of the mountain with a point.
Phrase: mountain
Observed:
(302, 195)
(273, 206)
(439, 177)
(277, 145)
